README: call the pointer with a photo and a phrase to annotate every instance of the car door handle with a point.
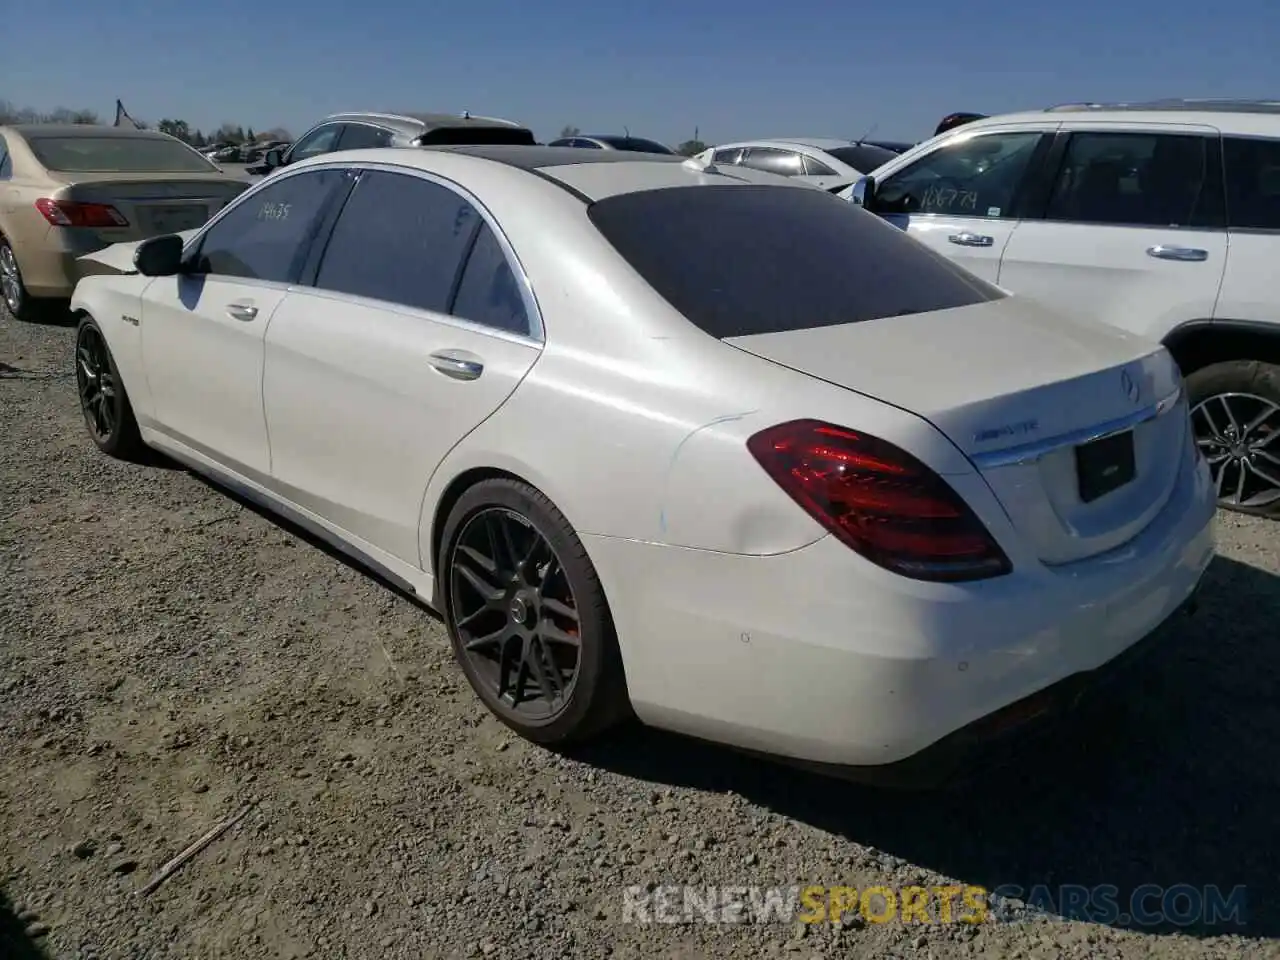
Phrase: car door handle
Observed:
(1189, 254)
(459, 368)
(242, 311)
(968, 239)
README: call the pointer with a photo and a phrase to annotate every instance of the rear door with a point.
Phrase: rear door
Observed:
(202, 331)
(418, 327)
(1132, 231)
(963, 198)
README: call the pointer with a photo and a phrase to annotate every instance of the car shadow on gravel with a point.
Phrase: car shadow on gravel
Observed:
(15, 944)
(1173, 788)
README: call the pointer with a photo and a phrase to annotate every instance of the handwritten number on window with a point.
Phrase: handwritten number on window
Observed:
(274, 211)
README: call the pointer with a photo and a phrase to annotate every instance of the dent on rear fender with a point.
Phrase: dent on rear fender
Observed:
(716, 497)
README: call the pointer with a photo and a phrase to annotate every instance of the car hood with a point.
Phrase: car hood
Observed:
(118, 258)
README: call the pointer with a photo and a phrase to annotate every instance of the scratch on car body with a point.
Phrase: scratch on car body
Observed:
(675, 455)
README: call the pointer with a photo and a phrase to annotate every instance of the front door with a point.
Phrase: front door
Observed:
(961, 199)
(203, 330)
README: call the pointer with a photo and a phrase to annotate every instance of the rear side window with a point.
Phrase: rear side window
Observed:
(816, 168)
(488, 293)
(783, 259)
(1137, 179)
(400, 239)
(1253, 183)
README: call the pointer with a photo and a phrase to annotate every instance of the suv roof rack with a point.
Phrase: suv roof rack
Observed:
(1206, 105)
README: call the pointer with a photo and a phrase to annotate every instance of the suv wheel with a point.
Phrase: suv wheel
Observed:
(1235, 412)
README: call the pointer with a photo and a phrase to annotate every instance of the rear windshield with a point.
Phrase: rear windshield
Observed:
(118, 155)
(740, 260)
(635, 144)
(864, 157)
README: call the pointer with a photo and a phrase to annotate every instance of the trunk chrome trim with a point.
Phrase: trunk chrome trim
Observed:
(1031, 452)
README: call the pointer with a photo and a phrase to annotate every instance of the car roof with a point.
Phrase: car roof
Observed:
(1241, 117)
(588, 175)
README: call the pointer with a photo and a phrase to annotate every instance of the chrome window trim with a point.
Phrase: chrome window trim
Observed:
(1031, 452)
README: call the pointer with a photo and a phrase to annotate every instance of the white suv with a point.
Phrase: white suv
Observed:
(1160, 218)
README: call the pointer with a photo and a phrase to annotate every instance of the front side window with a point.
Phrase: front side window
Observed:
(1253, 183)
(489, 293)
(400, 239)
(361, 136)
(729, 155)
(783, 259)
(970, 177)
(1137, 179)
(772, 160)
(267, 235)
(321, 140)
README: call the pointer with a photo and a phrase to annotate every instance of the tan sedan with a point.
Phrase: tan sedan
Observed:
(70, 190)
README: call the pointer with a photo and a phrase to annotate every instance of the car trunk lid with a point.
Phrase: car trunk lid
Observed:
(1065, 421)
(153, 205)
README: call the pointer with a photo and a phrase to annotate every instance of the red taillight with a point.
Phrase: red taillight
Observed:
(72, 213)
(879, 500)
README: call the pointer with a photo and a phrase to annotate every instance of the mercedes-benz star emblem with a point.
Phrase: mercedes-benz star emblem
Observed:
(1130, 387)
(518, 610)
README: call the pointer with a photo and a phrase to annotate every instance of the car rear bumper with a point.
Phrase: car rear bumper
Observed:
(50, 268)
(816, 656)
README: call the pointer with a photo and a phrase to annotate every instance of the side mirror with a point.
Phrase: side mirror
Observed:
(159, 256)
(864, 193)
(273, 158)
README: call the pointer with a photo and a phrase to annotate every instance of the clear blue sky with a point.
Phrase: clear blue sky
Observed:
(732, 68)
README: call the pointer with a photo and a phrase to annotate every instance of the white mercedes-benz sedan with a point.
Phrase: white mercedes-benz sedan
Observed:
(697, 444)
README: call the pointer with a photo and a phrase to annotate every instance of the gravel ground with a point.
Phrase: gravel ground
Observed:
(168, 656)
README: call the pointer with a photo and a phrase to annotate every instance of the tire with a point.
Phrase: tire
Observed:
(13, 291)
(109, 420)
(1248, 392)
(595, 698)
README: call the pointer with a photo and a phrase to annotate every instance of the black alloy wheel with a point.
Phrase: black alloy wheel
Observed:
(515, 613)
(1235, 415)
(103, 400)
(527, 616)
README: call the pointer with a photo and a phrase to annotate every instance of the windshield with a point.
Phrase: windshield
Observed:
(635, 144)
(118, 155)
(863, 157)
(783, 258)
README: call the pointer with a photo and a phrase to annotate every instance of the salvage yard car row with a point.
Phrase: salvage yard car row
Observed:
(684, 439)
